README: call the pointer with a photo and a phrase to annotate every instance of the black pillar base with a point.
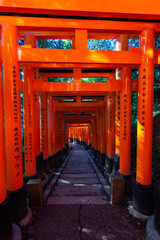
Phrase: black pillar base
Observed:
(157, 209)
(116, 158)
(5, 220)
(98, 155)
(19, 204)
(95, 154)
(40, 165)
(52, 162)
(86, 147)
(58, 158)
(109, 165)
(67, 149)
(64, 154)
(26, 178)
(92, 150)
(46, 162)
(102, 159)
(143, 198)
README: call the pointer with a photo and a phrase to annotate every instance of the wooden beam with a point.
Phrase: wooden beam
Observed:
(63, 88)
(47, 24)
(77, 56)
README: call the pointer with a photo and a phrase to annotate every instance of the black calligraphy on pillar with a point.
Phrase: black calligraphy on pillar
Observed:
(118, 108)
(17, 130)
(35, 73)
(125, 116)
(15, 94)
(29, 111)
(35, 97)
(143, 102)
(43, 127)
(44, 123)
(59, 130)
(16, 150)
(110, 110)
(30, 138)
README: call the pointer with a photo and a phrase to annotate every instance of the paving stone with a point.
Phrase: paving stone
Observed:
(97, 200)
(59, 223)
(79, 167)
(83, 190)
(77, 164)
(82, 175)
(88, 181)
(85, 170)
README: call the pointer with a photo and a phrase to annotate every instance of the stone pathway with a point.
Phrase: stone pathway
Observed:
(78, 208)
(78, 183)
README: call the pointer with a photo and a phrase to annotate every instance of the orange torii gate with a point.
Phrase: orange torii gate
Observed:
(31, 58)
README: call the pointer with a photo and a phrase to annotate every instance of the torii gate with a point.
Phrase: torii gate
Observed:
(30, 58)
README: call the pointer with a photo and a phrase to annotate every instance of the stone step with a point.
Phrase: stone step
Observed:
(86, 190)
(78, 171)
(87, 181)
(82, 175)
(79, 168)
(97, 200)
(78, 164)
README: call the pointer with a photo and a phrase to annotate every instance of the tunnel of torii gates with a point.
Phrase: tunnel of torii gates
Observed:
(103, 122)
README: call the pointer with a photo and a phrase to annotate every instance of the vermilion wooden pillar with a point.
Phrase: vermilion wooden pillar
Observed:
(12, 107)
(50, 126)
(125, 129)
(37, 122)
(3, 184)
(143, 190)
(95, 130)
(44, 125)
(59, 138)
(67, 134)
(117, 129)
(121, 45)
(31, 40)
(110, 129)
(63, 131)
(54, 129)
(98, 134)
(92, 134)
(59, 131)
(5, 211)
(125, 122)
(29, 140)
(102, 138)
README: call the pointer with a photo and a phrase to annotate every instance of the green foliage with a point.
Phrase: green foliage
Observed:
(22, 115)
(21, 42)
(101, 44)
(133, 43)
(89, 80)
(157, 42)
(134, 108)
(54, 43)
(65, 79)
